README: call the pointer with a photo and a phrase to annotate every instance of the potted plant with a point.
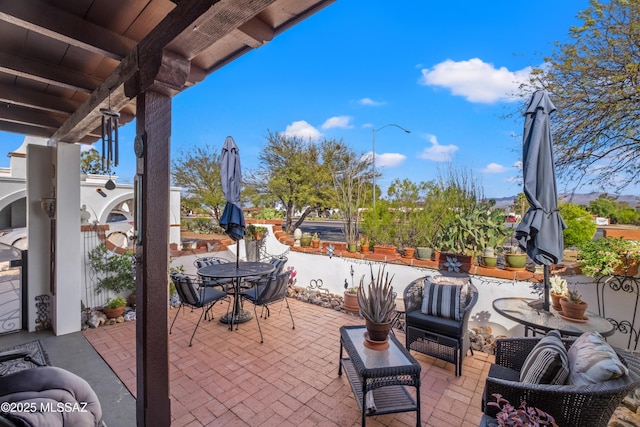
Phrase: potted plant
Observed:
(315, 241)
(377, 305)
(350, 299)
(114, 272)
(255, 232)
(305, 240)
(364, 244)
(609, 255)
(558, 290)
(515, 259)
(573, 306)
(524, 416)
(489, 258)
(114, 307)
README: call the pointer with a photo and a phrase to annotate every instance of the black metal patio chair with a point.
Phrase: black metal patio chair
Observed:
(193, 293)
(266, 291)
(225, 284)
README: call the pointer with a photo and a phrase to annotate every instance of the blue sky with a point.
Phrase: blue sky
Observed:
(442, 70)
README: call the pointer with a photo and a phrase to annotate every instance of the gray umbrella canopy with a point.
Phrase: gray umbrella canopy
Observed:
(540, 231)
(232, 219)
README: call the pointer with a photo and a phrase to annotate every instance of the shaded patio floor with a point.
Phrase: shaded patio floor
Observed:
(230, 379)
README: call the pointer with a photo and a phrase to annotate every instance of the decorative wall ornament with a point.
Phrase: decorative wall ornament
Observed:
(43, 311)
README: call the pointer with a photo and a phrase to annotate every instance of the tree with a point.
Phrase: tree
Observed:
(604, 207)
(521, 203)
(91, 162)
(594, 83)
(291, 171)
(351, 174)
(580, 225)
(197, 171)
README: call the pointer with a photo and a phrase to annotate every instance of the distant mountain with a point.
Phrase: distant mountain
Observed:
(576, 198)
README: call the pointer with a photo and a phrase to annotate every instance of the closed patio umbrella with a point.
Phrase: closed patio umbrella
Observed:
(540, 231)
(232, 219)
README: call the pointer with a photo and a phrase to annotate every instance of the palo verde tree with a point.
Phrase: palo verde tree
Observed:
(594, 82)
(91, 162)
(197, 171)
(291, 171)
(351, 174)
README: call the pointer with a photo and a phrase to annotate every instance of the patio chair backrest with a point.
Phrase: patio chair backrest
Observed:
(278, 263)
(205, 261)
(275, 289)
(186, 289)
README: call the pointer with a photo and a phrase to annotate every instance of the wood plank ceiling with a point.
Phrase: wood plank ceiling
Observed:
(63, 60)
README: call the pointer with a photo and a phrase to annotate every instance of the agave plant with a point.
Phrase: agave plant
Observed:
(377, 299)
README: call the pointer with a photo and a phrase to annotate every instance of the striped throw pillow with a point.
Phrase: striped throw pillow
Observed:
(442, 300)
(548, 362)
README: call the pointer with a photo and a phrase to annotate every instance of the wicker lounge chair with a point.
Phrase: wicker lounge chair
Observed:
(570, 405)
(442, 338)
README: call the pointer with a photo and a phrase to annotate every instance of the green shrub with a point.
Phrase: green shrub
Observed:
(116, 272)
(580, 225)
(270, 213)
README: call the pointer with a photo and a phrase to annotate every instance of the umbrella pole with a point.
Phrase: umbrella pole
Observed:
(545, 305)
(237, 253)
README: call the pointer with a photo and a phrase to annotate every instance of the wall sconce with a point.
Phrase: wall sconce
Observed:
(49, 206)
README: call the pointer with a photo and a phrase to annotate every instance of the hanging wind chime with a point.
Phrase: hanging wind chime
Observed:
(109, 141)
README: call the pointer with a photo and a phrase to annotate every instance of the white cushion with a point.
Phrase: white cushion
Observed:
(592, 360)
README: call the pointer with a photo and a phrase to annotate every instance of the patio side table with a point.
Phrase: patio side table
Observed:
(385, 373)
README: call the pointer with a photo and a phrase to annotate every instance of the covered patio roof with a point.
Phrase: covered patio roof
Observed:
(61, 61)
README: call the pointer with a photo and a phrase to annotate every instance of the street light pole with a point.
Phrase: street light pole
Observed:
(373, 143)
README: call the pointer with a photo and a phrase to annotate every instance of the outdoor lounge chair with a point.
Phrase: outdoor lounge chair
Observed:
(266, 291)
(571, 405)
(193, 293)
(43, 387)
(445, 335)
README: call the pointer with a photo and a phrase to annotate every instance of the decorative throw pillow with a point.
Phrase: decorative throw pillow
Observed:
(443, 298)
(592, 360)
(548, 362)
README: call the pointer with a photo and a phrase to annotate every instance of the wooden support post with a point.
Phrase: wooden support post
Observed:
(152, 338)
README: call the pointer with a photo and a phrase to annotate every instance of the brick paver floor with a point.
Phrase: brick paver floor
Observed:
(230, 379)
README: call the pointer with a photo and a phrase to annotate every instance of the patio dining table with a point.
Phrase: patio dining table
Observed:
(541, 321)
(236, 272)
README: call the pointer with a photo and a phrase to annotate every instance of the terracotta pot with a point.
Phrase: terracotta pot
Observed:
(351, 303)
(378, 331)
(573, 310)
(113, 313)
(364, 249)
(409, 252)
(555, 300)
(385, 249)
(315, 244)
(628, 267)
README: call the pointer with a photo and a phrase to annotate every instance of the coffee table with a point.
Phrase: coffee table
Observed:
(385, 373)
(536, 320)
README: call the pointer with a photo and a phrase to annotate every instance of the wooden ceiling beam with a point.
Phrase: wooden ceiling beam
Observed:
(37, 100)
(42, 18)
(30, 117)
(254, 33)
(25, 129)
(47, 73)
(197, 23)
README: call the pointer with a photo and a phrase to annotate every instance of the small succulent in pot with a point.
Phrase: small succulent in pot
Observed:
(558, 285)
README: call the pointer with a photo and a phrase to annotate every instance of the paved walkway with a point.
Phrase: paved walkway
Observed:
(230, 379)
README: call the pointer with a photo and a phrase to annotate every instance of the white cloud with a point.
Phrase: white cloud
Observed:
(343, 122)
(437, 152)
(389, 160)
(494, 168)
(302, 129)
(518, 164)
(370, 102)
(86, 147)
(476, 80)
